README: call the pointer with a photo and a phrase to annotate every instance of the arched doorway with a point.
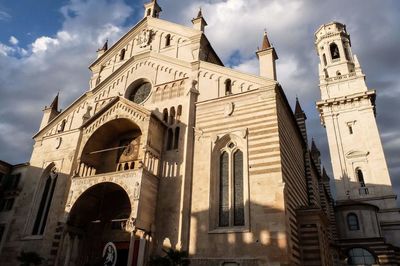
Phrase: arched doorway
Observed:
(97, 218)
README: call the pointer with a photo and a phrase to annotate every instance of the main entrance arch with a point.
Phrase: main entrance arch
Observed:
(97, 217)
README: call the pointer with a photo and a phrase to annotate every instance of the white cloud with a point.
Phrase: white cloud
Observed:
(4, 15)
(5, 50)
(43, 43)
(13, 40)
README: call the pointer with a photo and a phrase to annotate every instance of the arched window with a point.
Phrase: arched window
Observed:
(122, 55)
(149, 12)
(334, 51)
(360, 177)
(352, 222)
(228, 87)
(176, 138)
(165, 115)
(168, 40)
(231, 187)
(172, 115)
(169, 139)
(45, 202)
(360, 256)
(324, 58)
(179, 112)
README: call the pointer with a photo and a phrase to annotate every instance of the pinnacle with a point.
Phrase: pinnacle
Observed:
(265, 43)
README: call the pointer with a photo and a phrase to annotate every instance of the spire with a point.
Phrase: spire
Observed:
(267, 57)
(265, 42)
(324, 174)
(54, 104)
(314, 148)
(298, 109)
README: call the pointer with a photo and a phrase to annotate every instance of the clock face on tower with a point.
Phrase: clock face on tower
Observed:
(140, 93)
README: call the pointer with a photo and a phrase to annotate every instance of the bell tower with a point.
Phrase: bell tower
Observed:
(347, 111)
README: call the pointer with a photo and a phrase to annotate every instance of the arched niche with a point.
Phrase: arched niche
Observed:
(112, 147)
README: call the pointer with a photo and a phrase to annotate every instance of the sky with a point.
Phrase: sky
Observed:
(46, 47)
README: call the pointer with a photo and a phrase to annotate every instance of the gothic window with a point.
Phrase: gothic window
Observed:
(168, 40)
(170, 136)
(334, 51)
(165, 115)
(360, 177)
(228, 87)
(360, 256)
(176, 138)
(231, 187)
(352, 222)
(45, 202)
(122, 55)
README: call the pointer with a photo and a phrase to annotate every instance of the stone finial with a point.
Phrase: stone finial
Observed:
(105, 47)
(200, 13)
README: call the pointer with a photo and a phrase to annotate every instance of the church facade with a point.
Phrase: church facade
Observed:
(170, 149)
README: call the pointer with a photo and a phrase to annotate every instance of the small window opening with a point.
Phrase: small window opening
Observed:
(228, 87)
(338, 73)
(326, 73)
(168, 40)
(149, 12)
(350, 129)
(324, 57)
(122, 55)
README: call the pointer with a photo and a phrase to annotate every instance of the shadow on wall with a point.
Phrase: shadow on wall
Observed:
(261, 242)
(368, 221)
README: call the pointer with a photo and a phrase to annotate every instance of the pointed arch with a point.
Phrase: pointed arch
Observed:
(50, 175)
